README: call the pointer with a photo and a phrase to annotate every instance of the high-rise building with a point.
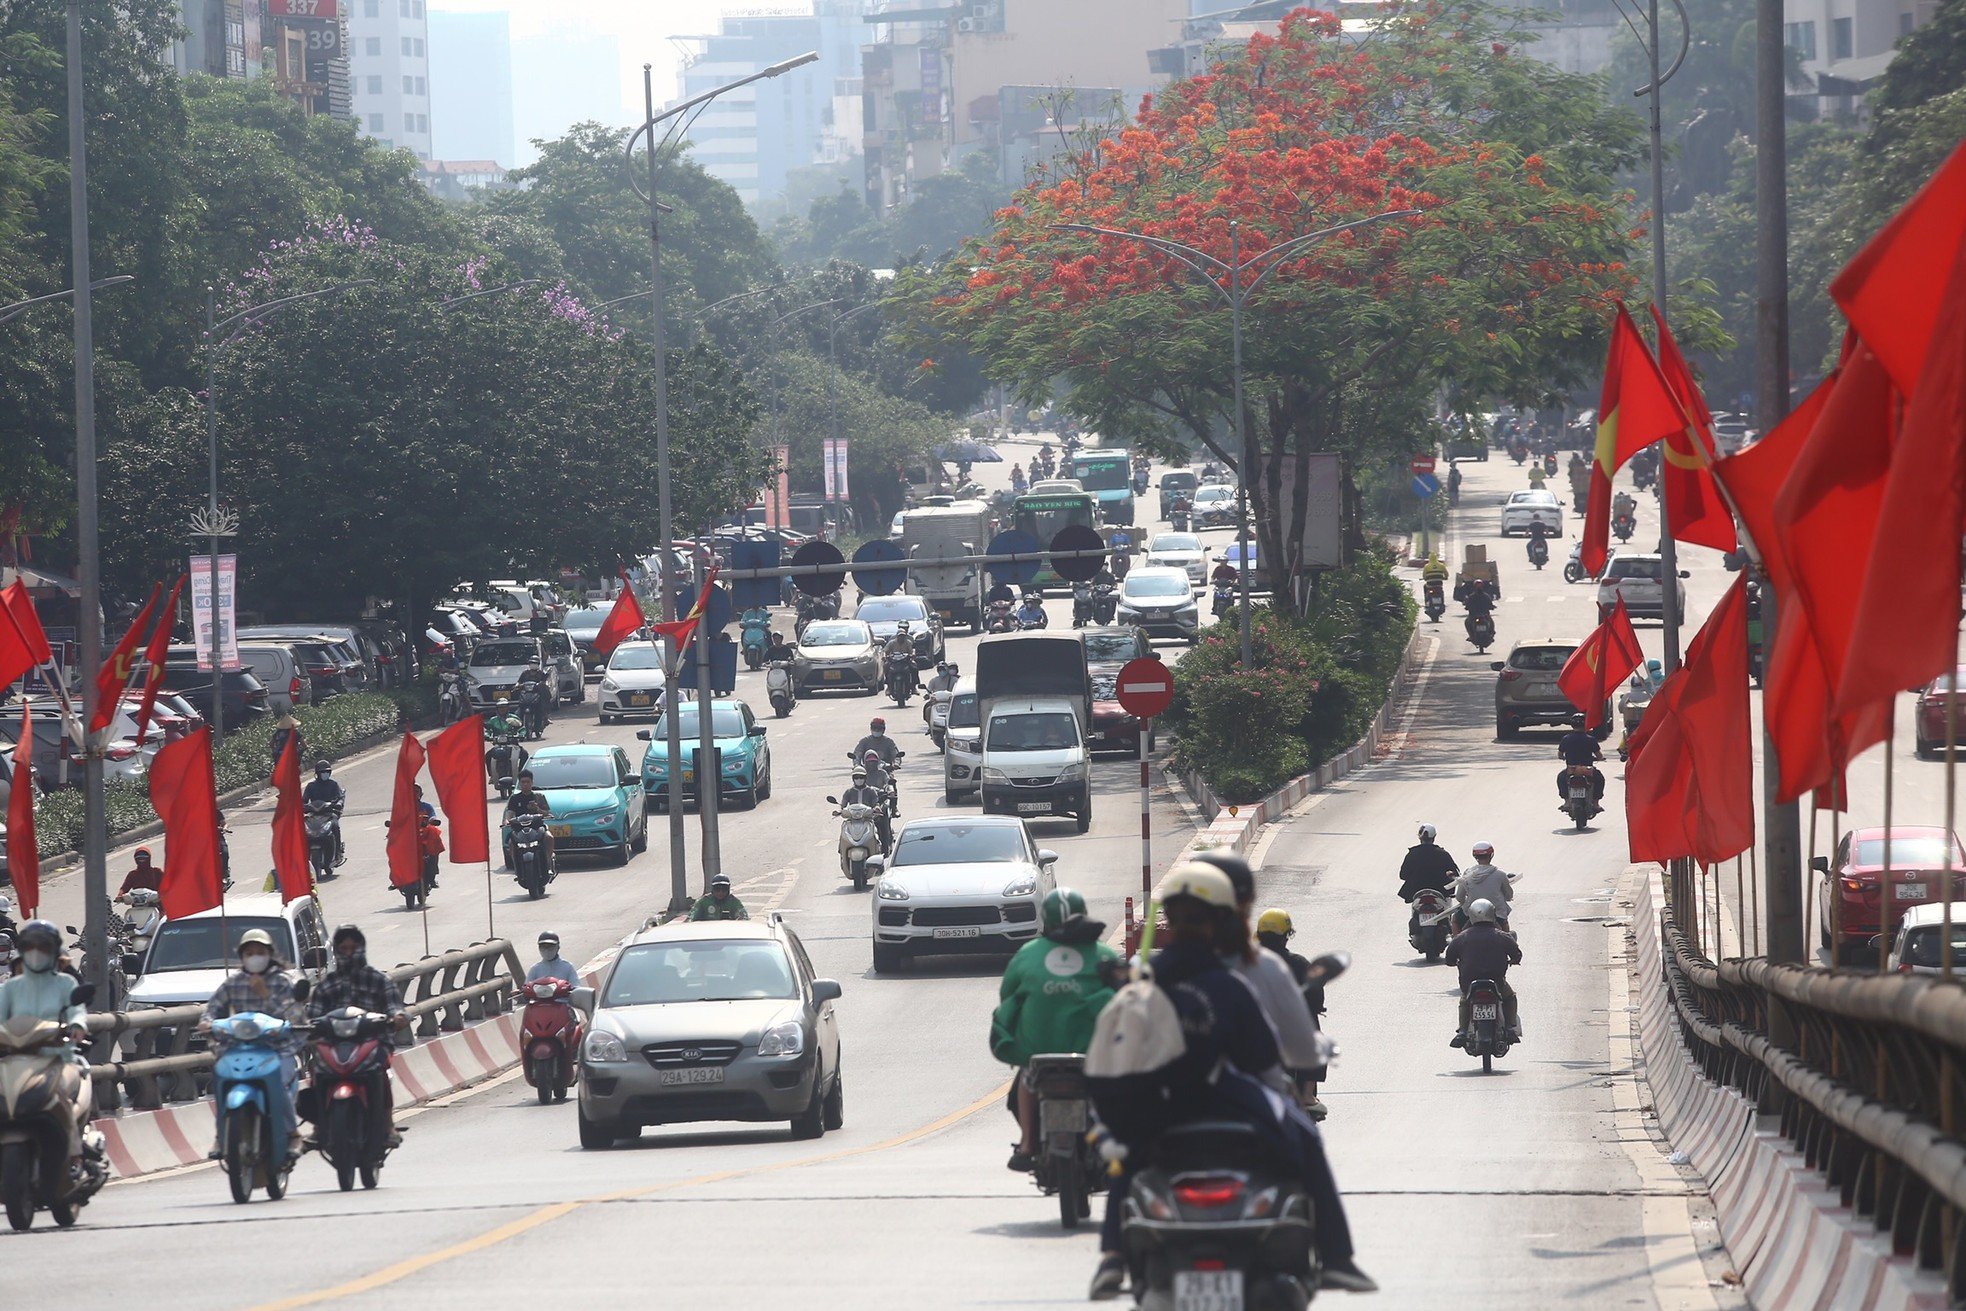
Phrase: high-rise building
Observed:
(221, 38)
(471, 86)
(302, 43)
(389, 68)
(1843, 46)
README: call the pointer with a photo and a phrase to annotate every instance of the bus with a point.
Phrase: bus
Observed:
(1108, 474)
(1043, 514)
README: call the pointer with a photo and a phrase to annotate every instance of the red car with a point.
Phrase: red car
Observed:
(1112, 727)
(1852, 892)
(1930, 717)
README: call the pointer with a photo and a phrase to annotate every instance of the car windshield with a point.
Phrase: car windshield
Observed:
(1110, 646)
(208, 944)
(1177, 482)
(959, 844)
(635, 657)
(1164, 542)
(889, 610)
(1049, 731)
(1533, 498)
(1105, 473)
(962, 711)
(1633, 567)
(1923, 946)
(1923, 852)
(834, 635)
(658, 972)
(1541, 659)
(1156, 585)
(584, 621)
(502, 653)
(571, 771)
(1105, 687)
(724, 722)
(1215, 493)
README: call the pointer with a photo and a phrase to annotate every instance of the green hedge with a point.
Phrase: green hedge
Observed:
(332, 729)
(1311, 692)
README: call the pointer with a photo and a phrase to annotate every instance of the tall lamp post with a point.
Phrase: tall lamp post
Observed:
(1236, 295)
(833, 382)
(678, 874)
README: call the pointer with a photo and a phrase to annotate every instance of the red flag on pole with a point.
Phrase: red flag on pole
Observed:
(405, 839)
(1606, 659)
(622, 623)
(23, 857)
(457, 767)
(1658, 780)
(1895, 288)
(116, 671)
(186, 799)
(1695, 512)
(1712, 711)
(1635, 409)
(23, 646)
(291, 863)
(154, 656)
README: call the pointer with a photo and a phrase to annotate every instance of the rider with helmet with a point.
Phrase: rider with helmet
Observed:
(1052, 992)
(261, 985)
(1485, 950)
(551, 965)
(43, 991)
(326, 791)
(875, 798)
(355, 982)
(1427, 865)
(720, 903)
(1483, 881)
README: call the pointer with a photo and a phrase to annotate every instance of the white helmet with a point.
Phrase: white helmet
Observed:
(1483, 850)
(1481, 911)
(1426, 833)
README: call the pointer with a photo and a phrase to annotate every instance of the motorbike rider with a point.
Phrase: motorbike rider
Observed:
(1427, 865)
(1051, 994)
(1277, 989)
(1624, 506)
(777, 648)
(505, 723)
(1000, 591)
(1483, 881)
(1579, 748)
(143, 874)
(526, 801)
(1224, 575)
(1485, 950)
(1017, 483)
(1580, 477)
(719, 903)
(261, 984)
(1479, 601)
(534, 675)
(355, 982)
(899, 647)
(1274, 930)
(1536, 477)
(944, 679)
(1454, 485)
(325, 791)
(1434, 570)
(551, 965)
(43, 991)
(878, 742)
(1031, 614)
(874, 797)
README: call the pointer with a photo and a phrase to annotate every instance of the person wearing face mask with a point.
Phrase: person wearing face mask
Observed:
(9, 958)
(261, 986)
(550, 964)
(42, 992)
(355, 982)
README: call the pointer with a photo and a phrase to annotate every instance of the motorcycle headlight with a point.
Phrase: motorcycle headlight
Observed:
(887, 891)
(246, 1030)
(603, 1048)
(787, 1039)
(1022, 886)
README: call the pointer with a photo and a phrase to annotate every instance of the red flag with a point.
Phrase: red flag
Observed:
(623, 622)
(23, 857)
(115, 673)
(23, 646)
(154, 656)
(1909, 602)
(1712, 712)
(1635, 409)
(185, 798)
(1658, 780)
(1892, 292)
(1695, 511)
(291, 863)
(457, 767)
(405, 839)
(1606, 659)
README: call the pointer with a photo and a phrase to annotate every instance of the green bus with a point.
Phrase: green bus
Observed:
(1043, 514)
(1108, 474)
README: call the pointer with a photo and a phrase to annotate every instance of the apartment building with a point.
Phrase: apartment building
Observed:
(1844, 46)
(389, 72)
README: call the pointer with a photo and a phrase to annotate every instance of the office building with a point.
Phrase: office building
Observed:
(1843, 47)
(389, 69)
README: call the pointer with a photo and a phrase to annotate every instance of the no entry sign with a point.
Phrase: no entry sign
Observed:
(1145, 688)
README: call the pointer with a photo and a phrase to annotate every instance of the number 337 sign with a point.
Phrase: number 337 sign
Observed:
(304, 8)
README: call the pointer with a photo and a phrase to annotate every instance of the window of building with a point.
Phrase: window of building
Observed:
(419, 45)
(409, 122)
(423, 122)
(409, 84)
(406, 45)
(403, 8)
(235, 62)
(373, 48)
(375, 84)
(371, 8)
(1842, 38)
(1801, 38)
(416, 8)
(422, 87)
(375, 122)
(1906, 22)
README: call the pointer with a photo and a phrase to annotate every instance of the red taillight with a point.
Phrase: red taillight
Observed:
(1208, 1192)
(1511, 675)
(293, 687)
(1904, 969)
(321, 671)
(119, 752)
(1210, 1263)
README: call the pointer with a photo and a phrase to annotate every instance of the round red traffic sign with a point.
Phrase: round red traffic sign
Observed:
(1144, 687)
(1422, 464)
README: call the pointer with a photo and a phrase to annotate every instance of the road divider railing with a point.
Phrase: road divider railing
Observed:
(145, 1059)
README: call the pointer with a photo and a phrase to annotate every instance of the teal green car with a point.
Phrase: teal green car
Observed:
(740, 741)
(597, 803)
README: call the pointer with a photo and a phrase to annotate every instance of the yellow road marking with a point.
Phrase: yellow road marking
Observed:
(491, 1238)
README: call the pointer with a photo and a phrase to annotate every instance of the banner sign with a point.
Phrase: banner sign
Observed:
(835, 461)
(201, 610)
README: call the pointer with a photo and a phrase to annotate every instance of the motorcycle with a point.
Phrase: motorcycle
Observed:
(1178, 514)
(1578, 785)
(530, 863)
(1001, 619)
(1225, 599)
(1436, 600)
(533, 708)
(452, 699)
(1081, 604)
(502, 762)
(34, 1173)
(935, 710)
(1481, 631)
(1031, 614)
(1487, 1038)
(1573, 568)
(1623, 525)
(1549, 464)
(756, 628)
(1067, 1165)
(1518, 452)
(246, 1079)
(1539, 550)
(781, 687)
(323, 838)
(1429, 931)
(1105, 603)
(860, 837)
(349, 1056)
(551, 1032)
(901, 679)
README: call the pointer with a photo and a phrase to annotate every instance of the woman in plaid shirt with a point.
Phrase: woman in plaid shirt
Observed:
(261, 985)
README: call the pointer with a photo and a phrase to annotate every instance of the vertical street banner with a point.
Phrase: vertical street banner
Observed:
(201, 610)
(835, 459)
(781, 486)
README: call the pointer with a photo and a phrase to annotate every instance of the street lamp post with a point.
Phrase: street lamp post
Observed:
(833, 387)
(1236, 295)
(20, 307)
(679, 897)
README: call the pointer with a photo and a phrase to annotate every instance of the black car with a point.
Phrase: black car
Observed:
(243, 695)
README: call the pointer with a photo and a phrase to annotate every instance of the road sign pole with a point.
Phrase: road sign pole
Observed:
(1146, 818)
(1145, 688)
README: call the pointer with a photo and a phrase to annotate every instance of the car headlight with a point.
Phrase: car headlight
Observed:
(787, 1039)
(734, 765)
(1072, 774)
(603, 1048)
(656, 770)
(993, 775)
(609, 685)
(888, 891)
(1022, 886)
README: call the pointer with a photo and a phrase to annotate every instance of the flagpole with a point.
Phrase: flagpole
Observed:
(491, 928)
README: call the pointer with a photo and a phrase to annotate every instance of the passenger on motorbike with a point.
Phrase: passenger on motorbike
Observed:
(1482, 881)
(551, 965)
(143, 874)
(526, 801)
(944, 679)
(1579, 748)
(719, 903)
(43, 991)
(1485, 950)
(1050, 997)
(1624, 506)
(1030, 614)
(1427, 865)
(874, 797)
(326, 791)
(1274, 930)
(354, 982)
(1479, 600)
(9, 958)
(261, 984)
(1268, 976)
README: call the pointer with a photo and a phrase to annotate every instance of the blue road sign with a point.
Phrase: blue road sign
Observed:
(1425, 485)
(1015, 542)
(717, 610)
(879, 582)
(753, 553)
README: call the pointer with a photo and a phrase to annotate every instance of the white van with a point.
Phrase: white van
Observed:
(1035, 761)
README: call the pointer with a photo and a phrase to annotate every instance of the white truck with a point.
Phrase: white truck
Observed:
(1034, 702)
(946, 530)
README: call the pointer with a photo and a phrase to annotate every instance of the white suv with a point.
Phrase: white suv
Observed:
(1524, 509)
(1636, 578)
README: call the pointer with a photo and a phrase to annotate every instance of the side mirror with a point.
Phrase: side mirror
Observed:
(132, 963)
(642, 735)
(1820, 864)
(583, 1001)
(825, 990)
(82, 994)
(303, 988)
(314, 958)
(832, 801)
(757, 730)
(1876, 942)
(1495, 665)
(877, 862)
(1685, 573)
(1046, 856)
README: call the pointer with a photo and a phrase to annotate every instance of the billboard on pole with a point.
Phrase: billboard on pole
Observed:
(1323, 539)
(201, 610)
(835, 460)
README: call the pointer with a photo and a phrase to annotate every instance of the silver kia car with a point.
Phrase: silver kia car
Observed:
(718, 1020)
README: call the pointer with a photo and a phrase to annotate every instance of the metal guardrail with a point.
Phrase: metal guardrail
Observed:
(148, 1058)
(1869, 1084)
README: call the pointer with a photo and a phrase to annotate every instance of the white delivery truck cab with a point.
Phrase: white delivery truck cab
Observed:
(933, 533)
(1034, 700)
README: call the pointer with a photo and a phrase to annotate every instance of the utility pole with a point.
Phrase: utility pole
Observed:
(1655, 90)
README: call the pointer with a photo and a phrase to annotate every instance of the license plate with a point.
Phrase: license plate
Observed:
(1208, 1290)
(700, 1074)
(961, 931)
(1540, 689)
(1909, 891)
(1484, 1010)
(1033, 807)
(689, 776)
(831, 675)
(560, 830)
(1062, 1116)
(637, 698)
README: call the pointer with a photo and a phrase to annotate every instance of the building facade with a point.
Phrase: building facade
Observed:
(1843, 46)
(302, 44)
(389, 71)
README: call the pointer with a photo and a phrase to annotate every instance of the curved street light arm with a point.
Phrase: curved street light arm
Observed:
(684, 106)
(1273, 258)
(258, 314)
(1199, 260)
(488, 291)
(818, 304)
(1685, 44)
(21, 307)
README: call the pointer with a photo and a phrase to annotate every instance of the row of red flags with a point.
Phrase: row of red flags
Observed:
(1862, 611)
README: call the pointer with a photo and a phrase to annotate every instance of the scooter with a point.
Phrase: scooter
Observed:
(1487, 1037)
(1481, 631)
(533, 709)
(1539, 549)
(1081, 604)
(1105, 602)
(781, 687)
(502, 762)
(452, 699)
(1429, 931)
(1225, 599)
(526, 842)
(860, 837)
(1436, 600)
(1578, 785)
(246, 1080)
(1573, 568)
(901, 679)
(323, 838)
(1549, 464)
(34, 1172)
(1067, 1164)
(1518, 452)
(1623, 525)
(935, 710)
(349, 1056)
(1002, 618)
(551, 1031)
(756, 628)
(1178, 514)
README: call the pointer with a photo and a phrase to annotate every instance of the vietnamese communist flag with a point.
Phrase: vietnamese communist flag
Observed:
(291, 863)
(23, 646)
(457, 767)
(1605, 659)
(23, 857)
(1635, 409)
(116, 671)
(1712, 711)
(622, 623)
(1695, 510)
(186, 799)
(405, 838)
(153, 662)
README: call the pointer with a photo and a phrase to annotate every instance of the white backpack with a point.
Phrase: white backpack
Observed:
(1138, 1032)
